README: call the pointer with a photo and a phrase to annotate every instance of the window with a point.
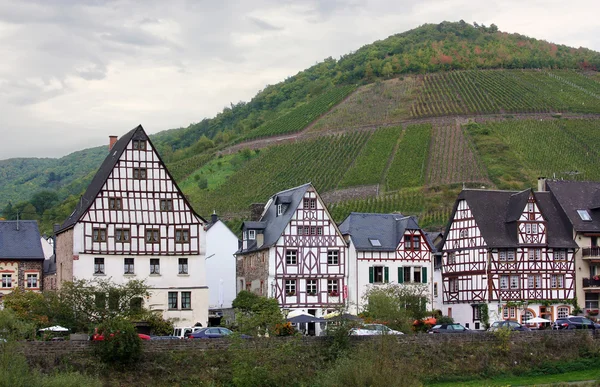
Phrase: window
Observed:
(515, 281)
(528, 315)
(417, 274)
(279, 209)
(435, 289)
(509, 312)
(557, 281)
(320, 230)
(451, 257)
(333, 257)
(407, 277)
(98, 265)
(183, 265)
(313, 204)
(476, 312)
(311, 287)
(560, 254)
(252, 234)
(122, 235)
(313, 230)
(182, 235)
(115, 203)
(375, 242)
(139, 144)
(584, 215)
(7, 280)
(128, 268)
(378, 274)
(306, 202)
(306, 230)
(166, 204)
(563, 311)
(504, 282)
(453, 286)
(528, 228)
(186, 300)
(290, 287)
(291, 257)
(32, 280)
(535, 254)
(154, 266)
(407, 242)
(152, 235)
(464, 233)
(300, 230)
(139, 173)
(534, 281)
(99, 235)
(534, 228)
(172, 300)
(591, 301)
(332, 287)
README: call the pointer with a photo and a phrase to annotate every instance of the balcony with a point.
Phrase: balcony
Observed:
(591, 252)
(592, 283)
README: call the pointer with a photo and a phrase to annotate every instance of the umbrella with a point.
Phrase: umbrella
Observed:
(55, 328)
(536, 320)
(305, 318)
(297, 312)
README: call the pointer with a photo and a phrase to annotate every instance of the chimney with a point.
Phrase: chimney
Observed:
(214, 217)
(541, 184)
(112, 140)
(256, 210)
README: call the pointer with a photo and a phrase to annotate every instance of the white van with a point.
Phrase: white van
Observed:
(184, 332)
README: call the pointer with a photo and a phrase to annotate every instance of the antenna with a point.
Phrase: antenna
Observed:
(17, 220)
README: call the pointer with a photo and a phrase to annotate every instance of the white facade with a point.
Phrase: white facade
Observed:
(221, 245)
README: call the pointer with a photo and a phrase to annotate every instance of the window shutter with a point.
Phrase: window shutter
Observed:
(371, 275)
(400, 275)
(386, 274)
(424, 274)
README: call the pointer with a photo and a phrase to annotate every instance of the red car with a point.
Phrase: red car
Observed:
(99, 337)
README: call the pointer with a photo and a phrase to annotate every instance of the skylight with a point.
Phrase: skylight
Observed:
(584, 215)
(375, 242)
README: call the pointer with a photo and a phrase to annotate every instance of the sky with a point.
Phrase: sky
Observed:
(73, 72)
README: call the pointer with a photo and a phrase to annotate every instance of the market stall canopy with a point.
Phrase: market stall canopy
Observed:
(55, 328)
(305, 318)
(537, 320)
(336, 316)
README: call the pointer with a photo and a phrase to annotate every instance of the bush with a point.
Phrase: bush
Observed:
(121, 344)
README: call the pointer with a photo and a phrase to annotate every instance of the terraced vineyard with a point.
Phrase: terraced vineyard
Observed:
(182, 169)
(409, 167)
(300, 117)
(282, 167)
(374, 104)
(371, 162)
(451, 157)
(503, 91)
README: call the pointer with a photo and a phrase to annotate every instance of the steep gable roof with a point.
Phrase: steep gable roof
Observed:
(20, 239)
(388, 229)
(104, 172)
(578, 195)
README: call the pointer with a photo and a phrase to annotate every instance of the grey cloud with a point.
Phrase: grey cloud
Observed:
(264, 25)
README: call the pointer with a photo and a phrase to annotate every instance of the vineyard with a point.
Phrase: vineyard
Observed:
(322, 162)
(452, 158)
(409, 165)
(506, 91)
(374, 104)
(557, 149)
(181, 169)
(371, 162)
(303, 115)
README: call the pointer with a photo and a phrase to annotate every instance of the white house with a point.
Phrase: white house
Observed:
(221, 245)
(385, 248)
(296, 254)
(133, 222)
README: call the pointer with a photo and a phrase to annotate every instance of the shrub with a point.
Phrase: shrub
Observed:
(121, 344)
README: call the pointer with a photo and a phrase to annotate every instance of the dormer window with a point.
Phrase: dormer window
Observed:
(279, 209)
(584, 215)
(251, 234)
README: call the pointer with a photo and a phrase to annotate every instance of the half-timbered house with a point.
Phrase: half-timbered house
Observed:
(295, 253)
(21, 256)
(580, 203)
(385, 248)
(510, 251)
(134, 222)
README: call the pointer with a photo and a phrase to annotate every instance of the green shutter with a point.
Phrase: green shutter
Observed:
(370, 275)
(386, 274)
(400, 275)
(424, 274)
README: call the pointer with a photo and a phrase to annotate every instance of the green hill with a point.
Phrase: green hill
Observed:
(398, 125)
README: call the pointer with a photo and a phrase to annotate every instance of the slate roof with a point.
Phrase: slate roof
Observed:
(578, 195)
(387, 228)
(22, 243)
(271, 224)
(104, 172)
(495, 213)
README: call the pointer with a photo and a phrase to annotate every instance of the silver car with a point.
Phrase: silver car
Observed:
(373, 329)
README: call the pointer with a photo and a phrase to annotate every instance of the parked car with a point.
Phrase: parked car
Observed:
(449, 328)
(184, 332)
(373, 329)
(512, 325)
(574, 322)
(213, 333)
(164, 338)
(99, 337)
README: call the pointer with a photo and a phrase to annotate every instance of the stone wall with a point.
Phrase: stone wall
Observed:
(25, 266)
(253, 268)
(64, 257)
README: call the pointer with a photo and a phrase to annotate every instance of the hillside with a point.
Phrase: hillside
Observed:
(398, 125)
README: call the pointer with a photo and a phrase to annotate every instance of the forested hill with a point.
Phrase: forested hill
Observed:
(442, 71)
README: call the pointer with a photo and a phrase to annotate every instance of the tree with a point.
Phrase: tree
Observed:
(44, 200)
(255, 314)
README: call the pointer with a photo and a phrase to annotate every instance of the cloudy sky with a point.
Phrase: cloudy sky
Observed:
(73, 72)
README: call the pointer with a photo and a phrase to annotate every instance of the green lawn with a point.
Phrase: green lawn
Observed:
(592, 375)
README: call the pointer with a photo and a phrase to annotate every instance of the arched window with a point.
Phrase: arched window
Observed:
(563, 311)
(527, 315)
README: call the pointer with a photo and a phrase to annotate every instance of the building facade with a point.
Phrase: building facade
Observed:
(133, 222)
